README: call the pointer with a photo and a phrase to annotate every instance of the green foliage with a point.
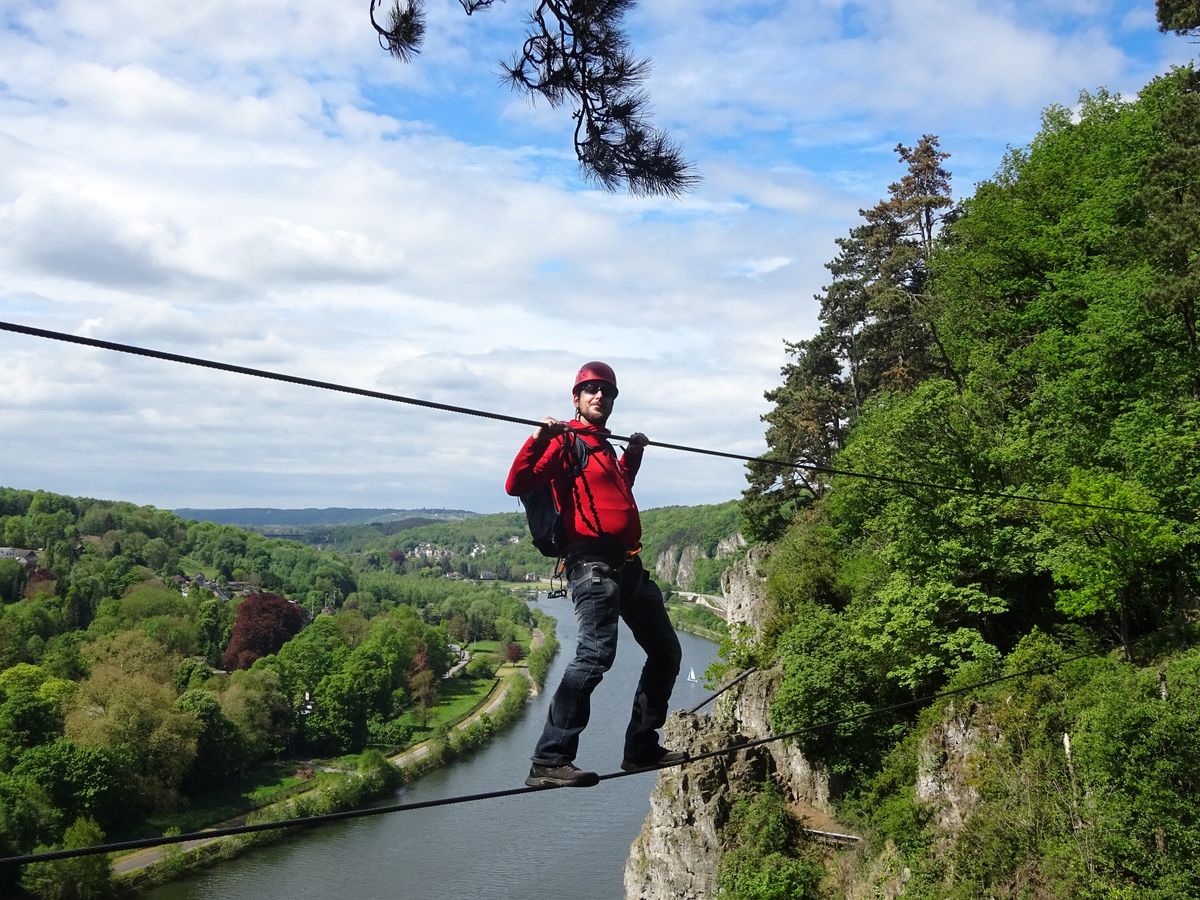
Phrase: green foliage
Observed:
(1049, 332)
(1109, 563)
(698, 620)
(77, 878)
(78, 781)
(220, 747)
(481, 667)
(338, 723)
(391, 732)
(768, 858)
(1180, 16)
(540, 657)
(26, 720)
(12, 580)
(257, 704)
(828, 676)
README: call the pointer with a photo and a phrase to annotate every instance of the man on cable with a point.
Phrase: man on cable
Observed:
(605, 577)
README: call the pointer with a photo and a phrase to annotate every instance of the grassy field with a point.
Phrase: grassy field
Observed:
(459, 696)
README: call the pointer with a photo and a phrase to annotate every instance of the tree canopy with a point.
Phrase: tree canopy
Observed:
(1037, 339)
(1179, 16)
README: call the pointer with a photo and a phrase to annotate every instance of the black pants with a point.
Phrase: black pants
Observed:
(601, 592)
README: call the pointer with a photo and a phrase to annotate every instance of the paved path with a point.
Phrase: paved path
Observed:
(412, 754)
(710, 602)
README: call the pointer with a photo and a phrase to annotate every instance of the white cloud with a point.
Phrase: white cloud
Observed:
(261, 185)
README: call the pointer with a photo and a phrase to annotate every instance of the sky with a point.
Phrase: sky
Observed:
(260, 184)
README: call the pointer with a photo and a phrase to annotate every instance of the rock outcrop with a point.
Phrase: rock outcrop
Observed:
(677, 564)
(744, 589)
(727, 546)
(677, 852)
(801, 780)
(944, 767)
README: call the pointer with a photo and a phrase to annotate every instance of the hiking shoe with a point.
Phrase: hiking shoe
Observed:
(565, 775)
(654, 758)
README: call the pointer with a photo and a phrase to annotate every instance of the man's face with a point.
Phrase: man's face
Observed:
(594, 402)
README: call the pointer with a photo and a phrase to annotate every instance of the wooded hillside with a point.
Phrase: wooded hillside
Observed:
(1037, 340)
(148, 663)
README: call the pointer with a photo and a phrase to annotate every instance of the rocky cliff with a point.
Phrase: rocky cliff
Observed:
(680, 844)
(944, 770)
(745, 591)
(677, 564)
(678, 851)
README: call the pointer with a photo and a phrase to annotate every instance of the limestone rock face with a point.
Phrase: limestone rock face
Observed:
(677, 852)
(745, 591)
(728, 546)
(748, 705)
(666, 565)
(686, 573)
(677, 564)
(944, 765)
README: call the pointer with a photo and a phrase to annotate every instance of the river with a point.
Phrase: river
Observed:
(552, 844)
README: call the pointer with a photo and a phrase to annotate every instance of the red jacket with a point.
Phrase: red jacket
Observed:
(609, 479)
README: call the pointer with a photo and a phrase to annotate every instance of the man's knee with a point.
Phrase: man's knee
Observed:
(591, 662)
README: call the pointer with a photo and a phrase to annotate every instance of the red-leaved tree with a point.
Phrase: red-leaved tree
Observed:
(513, 652)
(264, 623)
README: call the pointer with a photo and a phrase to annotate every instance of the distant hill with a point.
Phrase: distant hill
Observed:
(266, 517)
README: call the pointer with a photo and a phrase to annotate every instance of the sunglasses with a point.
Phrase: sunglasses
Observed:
(595, 387)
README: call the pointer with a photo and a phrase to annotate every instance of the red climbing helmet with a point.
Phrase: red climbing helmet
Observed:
(595, 371)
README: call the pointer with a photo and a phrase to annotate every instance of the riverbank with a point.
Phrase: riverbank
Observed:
(373, 776)
(697, 620)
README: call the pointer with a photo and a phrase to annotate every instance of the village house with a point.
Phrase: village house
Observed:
(427, 550)
(27, 558)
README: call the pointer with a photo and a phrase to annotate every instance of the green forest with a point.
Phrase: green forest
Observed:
(157, 671)
(1036, 341)
(498, 545)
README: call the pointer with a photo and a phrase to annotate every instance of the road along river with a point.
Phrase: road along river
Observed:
(548, 845)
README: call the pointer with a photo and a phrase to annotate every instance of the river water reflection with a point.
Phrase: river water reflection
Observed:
(556, 844)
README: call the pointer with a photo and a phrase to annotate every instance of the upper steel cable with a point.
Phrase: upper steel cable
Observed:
(467, 411)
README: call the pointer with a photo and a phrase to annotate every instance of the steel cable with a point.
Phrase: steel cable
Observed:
(485, 414)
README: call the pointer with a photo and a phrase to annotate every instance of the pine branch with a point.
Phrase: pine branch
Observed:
(405, 29)
(576, 52)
